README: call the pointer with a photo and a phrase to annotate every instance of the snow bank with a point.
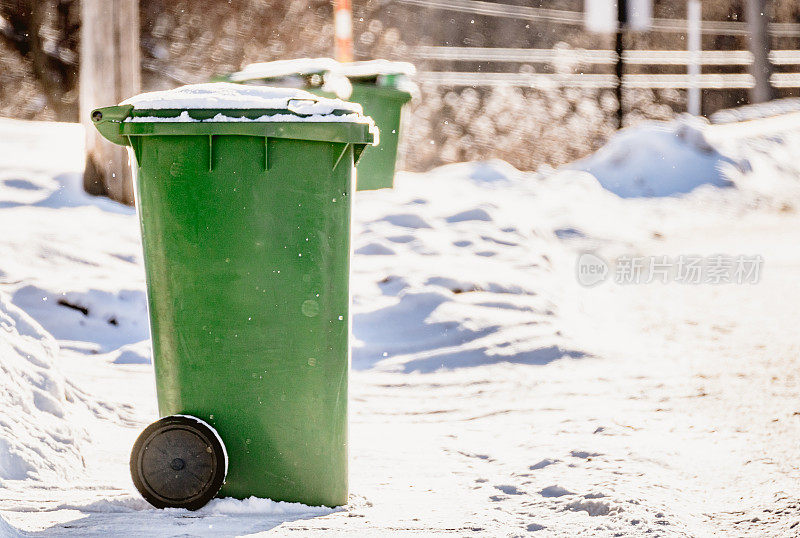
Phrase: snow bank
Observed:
(756, 111)
(659, 159)
(36, 440)
(767, 149)
(654, 159)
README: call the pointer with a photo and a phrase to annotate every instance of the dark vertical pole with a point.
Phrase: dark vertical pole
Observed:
(622, 19)
(758, 21)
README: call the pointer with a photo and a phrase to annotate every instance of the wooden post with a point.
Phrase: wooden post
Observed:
(758, 21)
(109, 73)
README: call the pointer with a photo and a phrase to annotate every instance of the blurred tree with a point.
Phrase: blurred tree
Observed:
(188, 42)
(45, 32)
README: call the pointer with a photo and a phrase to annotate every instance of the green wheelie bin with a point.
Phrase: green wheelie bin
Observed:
(382, 88)
(244, 199)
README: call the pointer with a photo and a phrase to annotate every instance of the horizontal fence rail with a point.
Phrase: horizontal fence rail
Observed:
(530, 80)
(555, 81)
(566, 59)
(598, 57)
(478, 7)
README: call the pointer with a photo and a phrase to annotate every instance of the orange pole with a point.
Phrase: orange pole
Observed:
(343, 30)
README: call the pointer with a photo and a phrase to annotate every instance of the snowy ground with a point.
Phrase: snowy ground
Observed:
(491, 393)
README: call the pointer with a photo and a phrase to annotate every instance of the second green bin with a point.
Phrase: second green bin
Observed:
(381, 87)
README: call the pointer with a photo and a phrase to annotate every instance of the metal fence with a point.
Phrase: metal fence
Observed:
(573, 59)
(554, 100)
(478, 7)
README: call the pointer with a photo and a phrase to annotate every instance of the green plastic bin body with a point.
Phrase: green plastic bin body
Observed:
(384, 104)
(246, 235)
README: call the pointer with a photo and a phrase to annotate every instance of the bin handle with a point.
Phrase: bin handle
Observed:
(294, 104)
(108, 121)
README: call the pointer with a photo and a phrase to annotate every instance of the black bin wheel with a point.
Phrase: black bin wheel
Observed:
(178, 462)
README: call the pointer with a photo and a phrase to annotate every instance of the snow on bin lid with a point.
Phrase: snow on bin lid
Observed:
(227, 108)
(228, 96)
(371, 68)
(332, 81)
(285, 68)
(311, 66)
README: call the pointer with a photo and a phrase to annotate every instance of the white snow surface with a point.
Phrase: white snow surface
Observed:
(227, 95)
(491, 394)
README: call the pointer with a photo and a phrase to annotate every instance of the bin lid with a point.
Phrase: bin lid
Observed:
(284, 68)
(309, 72)
(226, 108)
(394, 77)
(374, 68)
(319, 66)
(335, 76)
